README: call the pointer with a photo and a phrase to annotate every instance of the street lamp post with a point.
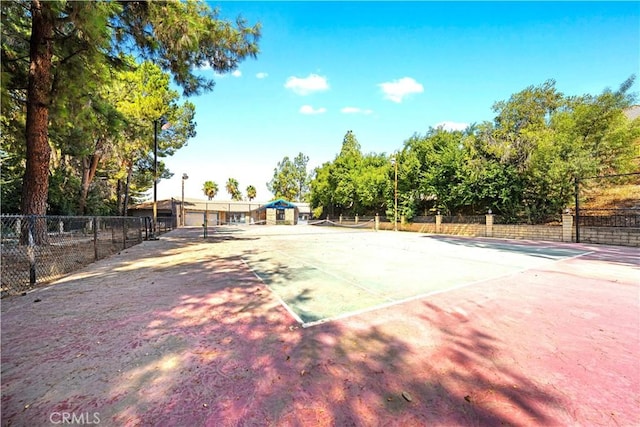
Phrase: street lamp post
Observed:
(155, 180)
(166, 125)
(184, 177)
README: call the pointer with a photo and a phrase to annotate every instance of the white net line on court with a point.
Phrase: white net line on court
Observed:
(237, 224)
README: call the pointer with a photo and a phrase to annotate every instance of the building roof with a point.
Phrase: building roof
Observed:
(162, 205)
(304, 208)
(219, 205)
(279, 204)
(202, 205)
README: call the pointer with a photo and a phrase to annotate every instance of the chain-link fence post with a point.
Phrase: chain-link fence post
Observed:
(577, 196)
(31, 249)
(147, 223)
(124, 233)
(94, 223)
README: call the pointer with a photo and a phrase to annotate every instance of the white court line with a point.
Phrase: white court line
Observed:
(462, 254)
(280, 300)
(390, 302)
(329, 273)
(420, 296)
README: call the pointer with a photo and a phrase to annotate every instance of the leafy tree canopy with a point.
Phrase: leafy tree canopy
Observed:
(59, 65)
(210, 189)
(290, 179)
(233, 189)
(251, 192)
(522, 165)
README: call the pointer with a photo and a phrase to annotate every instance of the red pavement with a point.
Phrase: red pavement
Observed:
(180, 333)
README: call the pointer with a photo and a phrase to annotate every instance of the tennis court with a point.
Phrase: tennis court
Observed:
(290, 326)
(327, 273)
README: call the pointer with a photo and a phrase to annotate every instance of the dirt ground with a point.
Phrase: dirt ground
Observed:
(180, 332)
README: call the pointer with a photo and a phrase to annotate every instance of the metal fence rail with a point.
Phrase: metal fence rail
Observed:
(609, 218)
(39, 249)
(522, 220)
(467, 219)
(424, 219)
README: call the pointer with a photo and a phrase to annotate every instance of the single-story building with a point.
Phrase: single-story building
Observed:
(222, 211)
(278, 212)
(167, 210)
(304, 211)
(218, 212)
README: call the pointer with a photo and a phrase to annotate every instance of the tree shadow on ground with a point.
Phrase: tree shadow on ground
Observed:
(477, 380)
(164, 339)
(620, 255)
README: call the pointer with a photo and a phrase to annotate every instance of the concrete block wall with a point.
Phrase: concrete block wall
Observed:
(416, 227)
(471, 230)
(552, 233)
(610, 236)
(290, 217)
(564, 232)
(271, 216)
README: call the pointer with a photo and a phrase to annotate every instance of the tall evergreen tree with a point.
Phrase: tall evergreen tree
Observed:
(284, 183)
(301, 177)
(68, 38)
(290, 179)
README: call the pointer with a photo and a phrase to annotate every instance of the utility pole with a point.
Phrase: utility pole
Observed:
(394, 159)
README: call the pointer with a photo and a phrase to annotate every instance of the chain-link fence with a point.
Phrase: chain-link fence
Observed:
(163, 223)
(466, 219)
(39, 249)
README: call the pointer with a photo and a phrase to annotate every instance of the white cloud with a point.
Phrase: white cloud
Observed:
(355, 110)
(308, 109)
(450, 126)
(307, 85)
(236, 73)
(262, 75)
(396, 90)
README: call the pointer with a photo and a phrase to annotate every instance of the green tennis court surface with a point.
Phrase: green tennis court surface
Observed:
(322, 273)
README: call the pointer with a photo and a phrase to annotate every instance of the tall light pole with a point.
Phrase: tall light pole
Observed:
(394, 161)
(184, 177)
(166, 125)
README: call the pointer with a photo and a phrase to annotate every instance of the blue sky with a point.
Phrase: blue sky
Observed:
(387, 70)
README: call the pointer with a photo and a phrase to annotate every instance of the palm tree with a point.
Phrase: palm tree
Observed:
(251, 192)
(232, 189)
(210, 189)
